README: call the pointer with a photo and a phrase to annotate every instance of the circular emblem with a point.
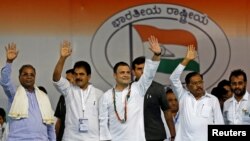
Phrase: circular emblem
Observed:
(123, 37)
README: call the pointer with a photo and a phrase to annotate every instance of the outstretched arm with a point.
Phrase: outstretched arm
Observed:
(150, 67)
(155, 48)
(65, 52)
(176, 74)
(8, 86)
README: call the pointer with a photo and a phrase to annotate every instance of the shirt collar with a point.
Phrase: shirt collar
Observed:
(205, 95)
(245, 97)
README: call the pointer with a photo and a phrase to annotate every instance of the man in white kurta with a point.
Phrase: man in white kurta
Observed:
(74, 102)
(81, 122)
(133, 128)
(237, 108)
(195, 114)
(129, 108)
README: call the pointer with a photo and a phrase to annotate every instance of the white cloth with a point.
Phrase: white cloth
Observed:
(237, 112)
(73, 100)
(5, 133)
(20, 106)
(133, 128)
(195, 115)
(2, 130)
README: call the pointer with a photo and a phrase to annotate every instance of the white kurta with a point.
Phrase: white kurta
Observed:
(237, 112)
(133, 128)
(195, 115)
(74, 103)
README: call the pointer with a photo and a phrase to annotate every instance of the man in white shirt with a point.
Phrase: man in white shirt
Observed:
(237, 108)
(81, 122)
(197, 108)
(121, 108)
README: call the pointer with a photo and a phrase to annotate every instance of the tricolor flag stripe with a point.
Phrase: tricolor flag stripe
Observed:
(173, 36)
(179, 37)
(168, 65)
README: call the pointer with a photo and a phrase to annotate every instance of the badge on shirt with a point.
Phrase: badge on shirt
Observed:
(83, 125)
(246, 115)
(123, 121)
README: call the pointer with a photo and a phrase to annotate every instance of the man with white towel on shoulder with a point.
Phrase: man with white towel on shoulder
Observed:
(30, 112)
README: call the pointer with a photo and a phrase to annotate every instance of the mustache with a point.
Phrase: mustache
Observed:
(239, 91)
(199, 88)
(235, 90)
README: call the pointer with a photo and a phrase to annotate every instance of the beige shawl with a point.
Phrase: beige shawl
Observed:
(20, 105)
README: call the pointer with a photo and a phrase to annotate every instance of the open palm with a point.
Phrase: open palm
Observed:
(154, 45)
(11, 51)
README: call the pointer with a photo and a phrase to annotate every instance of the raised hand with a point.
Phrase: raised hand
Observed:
(154, 45)
(190, 55)
(11, 52)
(191, 52)
(66, 49)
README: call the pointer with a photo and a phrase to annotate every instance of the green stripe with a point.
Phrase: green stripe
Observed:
(168, 65)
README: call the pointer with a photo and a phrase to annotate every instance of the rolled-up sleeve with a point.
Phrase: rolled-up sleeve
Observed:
(63, 86)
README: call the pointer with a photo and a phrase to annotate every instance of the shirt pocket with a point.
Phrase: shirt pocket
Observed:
(245, 116)
(228, 116)
(94, 109)
(246, 119)
(206, 111)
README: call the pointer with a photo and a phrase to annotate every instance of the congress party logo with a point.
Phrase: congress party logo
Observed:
(123, 37)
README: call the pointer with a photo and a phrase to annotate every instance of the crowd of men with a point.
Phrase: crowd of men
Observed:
(132, 110)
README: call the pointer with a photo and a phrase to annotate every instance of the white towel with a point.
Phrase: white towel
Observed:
(20, 105)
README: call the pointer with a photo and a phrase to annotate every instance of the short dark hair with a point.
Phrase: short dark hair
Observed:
(26, 66)
(3, 114)
(169, 90)
(70, 71)
(138, 61)
(219, 92)
(42, 89)
(238, 72)
(190, 75)
(83, 64)
(119, 64)
(223, 83)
